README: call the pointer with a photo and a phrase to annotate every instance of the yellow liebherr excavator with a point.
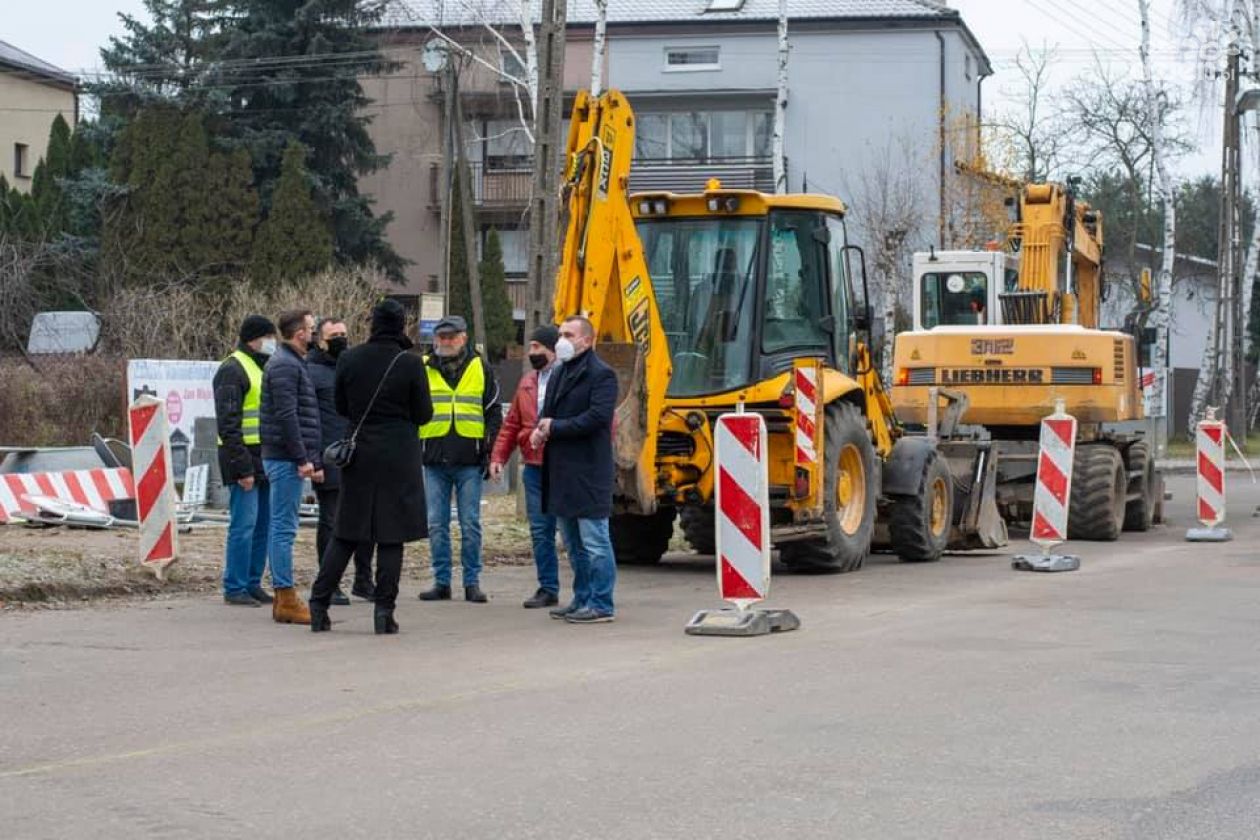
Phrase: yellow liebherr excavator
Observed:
(1017, 329)
(710, 301)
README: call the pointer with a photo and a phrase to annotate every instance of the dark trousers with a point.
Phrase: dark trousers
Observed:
(324, 533)
(333, 566)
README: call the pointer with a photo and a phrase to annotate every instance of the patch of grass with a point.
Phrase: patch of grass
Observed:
(1183, 448)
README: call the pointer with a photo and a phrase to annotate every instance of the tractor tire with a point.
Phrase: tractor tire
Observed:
(919, 525)
(699, 528)
(1099, 485)
(1139, 514)
(641, 540)
(849, 490)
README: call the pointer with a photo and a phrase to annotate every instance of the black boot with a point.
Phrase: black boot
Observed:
(439, 592)
(474, 594)
(385, 624)
(320, 623)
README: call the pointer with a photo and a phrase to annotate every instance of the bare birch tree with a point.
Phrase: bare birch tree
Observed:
(599, 47)
(779, 142)
(1167, 192)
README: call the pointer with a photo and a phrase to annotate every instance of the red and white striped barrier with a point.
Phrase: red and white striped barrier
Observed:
(155, 483)
(93, 488)
(1052, 494)
(743, 509)
(743, 532)
(806, 388)
(1209, 443)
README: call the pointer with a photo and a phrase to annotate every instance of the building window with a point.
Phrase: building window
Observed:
(514, 242)
(507, 146)
(967, 66)
(724, 5)
(511, 65)
(678, 59)
(21, 160)
(703, 136)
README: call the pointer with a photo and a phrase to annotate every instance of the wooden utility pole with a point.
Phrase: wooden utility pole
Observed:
(544, 208)
(1231, 390)
(469, 225)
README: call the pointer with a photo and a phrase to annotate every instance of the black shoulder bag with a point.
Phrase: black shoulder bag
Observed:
(341, 452)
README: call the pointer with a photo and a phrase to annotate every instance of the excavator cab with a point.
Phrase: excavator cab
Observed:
(744, 293)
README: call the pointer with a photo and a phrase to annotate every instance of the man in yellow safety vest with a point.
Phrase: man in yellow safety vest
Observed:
(457, 444)
(237, 399)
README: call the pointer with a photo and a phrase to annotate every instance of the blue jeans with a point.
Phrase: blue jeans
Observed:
(286, 500)
(249, 519)
(542, 530)
(594, 568)
(465, 483)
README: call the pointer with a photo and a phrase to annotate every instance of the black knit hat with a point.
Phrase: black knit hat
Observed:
(389, 318)
(546, 335)
(256, 326)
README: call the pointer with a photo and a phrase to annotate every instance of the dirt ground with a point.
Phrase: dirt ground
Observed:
(58, 567)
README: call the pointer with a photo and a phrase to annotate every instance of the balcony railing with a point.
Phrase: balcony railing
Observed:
(756, 173)
(509, 188)
(500, 187)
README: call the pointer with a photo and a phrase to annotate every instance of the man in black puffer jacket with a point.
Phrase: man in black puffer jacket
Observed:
(291, 452)
(321, 362)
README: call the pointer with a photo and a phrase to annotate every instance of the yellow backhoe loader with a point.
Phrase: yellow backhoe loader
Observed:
(1017, 328)
(710, 301)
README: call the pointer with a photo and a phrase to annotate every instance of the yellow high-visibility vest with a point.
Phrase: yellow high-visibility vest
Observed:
(460, 405)
(250, 428)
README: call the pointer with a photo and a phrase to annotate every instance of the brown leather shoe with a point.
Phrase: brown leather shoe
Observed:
(288, 608)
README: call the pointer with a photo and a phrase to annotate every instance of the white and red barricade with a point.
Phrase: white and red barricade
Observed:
(807, 427)
(1209, 442)
(155, 483)
(92, 488)
(1052, 494)
(743, 509)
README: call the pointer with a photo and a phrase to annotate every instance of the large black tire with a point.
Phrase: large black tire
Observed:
(641, 540)
(1099, 485)
(699, 528)
(1139, 514)
(849, 490)
(919, 525)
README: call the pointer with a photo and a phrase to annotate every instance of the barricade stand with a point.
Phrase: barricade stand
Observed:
(1209, 443)
(743, 533)
(1052, 496)
(155, 484)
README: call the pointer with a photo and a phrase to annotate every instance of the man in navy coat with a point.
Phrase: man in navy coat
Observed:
(577, 475)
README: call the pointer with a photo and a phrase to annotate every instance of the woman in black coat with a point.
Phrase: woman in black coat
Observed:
(382, 489)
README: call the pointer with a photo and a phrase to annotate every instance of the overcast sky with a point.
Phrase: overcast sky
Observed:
(69, 33)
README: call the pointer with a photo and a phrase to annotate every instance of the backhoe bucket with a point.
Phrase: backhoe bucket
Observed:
(980, 525)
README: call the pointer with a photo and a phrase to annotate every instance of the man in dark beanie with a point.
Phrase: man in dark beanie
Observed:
(237, 399)
(521, 419)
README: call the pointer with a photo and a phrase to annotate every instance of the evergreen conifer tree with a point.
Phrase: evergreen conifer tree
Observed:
(500, 328)
(294, 239)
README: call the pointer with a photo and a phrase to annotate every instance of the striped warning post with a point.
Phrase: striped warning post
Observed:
(155, 485)
(743, 509)
(1209, 442)
(805, 381)
(94, 488)
(1054, 479)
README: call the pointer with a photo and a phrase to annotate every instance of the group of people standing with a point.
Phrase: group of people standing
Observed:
(427, 430)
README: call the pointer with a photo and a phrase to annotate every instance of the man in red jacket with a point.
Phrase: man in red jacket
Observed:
(516, 429)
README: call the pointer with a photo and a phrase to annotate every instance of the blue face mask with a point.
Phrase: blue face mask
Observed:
(268, 346)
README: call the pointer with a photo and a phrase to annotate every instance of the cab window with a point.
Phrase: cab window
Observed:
(952, 298)
(796, 282)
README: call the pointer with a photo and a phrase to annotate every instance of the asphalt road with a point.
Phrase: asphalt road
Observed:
(955, 700)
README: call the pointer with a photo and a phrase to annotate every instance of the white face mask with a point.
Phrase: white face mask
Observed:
(268, 346)
(565, 350)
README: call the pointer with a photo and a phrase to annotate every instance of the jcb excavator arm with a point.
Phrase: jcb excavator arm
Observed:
(603, 276)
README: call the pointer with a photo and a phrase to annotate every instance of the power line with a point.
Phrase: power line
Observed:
(1065, 18)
